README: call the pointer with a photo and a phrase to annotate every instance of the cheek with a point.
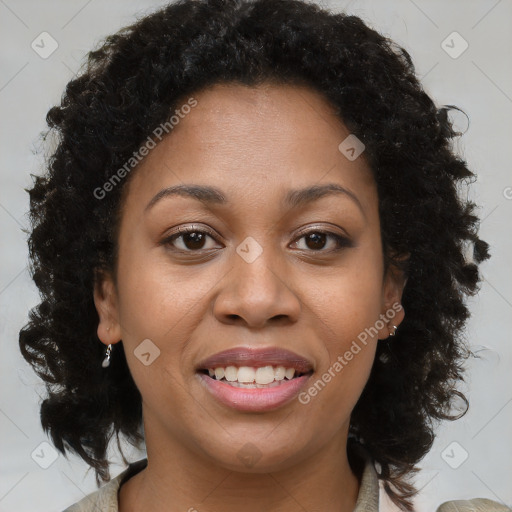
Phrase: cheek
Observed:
(155, 298)
(345, 311)
(349, 302)
(345, 317)
(165, 308)
(162, 303)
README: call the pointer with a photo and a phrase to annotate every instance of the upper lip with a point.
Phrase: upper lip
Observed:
(256, 357)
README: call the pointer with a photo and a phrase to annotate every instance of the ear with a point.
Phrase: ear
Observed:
(105, 301)
(392, 311)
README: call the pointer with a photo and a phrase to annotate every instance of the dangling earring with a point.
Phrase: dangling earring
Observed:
(394, 330)
(106, 361)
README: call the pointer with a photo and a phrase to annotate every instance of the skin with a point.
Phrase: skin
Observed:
(254, 144)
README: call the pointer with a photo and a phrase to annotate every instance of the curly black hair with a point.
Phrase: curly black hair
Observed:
(129, 86)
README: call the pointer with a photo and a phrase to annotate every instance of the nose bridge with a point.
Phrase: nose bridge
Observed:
(256, 289)
(256, 269)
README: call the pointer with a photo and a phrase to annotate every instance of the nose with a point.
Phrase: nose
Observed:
(256, 294)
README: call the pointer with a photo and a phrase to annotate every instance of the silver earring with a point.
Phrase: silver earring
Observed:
(394, 331)
(106, 361)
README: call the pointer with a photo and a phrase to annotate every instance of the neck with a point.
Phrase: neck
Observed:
(188, 481)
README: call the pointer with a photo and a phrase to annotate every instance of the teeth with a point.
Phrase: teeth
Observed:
(231, 373)
(280, 372)
(248, 374)
(265, 375)
(254, 386)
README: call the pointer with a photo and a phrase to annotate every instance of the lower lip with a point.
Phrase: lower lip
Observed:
(257, 399)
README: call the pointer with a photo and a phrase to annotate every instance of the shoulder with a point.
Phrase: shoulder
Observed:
(105, 499)
(474, 505)
(102, 500)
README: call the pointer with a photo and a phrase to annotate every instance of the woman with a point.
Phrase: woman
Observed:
(250, 249)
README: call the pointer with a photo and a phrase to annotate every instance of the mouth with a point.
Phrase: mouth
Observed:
(248, 377)
(254, 380)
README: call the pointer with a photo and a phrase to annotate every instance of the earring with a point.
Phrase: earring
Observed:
(106, 361)
(394, 330)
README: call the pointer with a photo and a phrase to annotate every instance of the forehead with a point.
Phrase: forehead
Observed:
(276, 116)
(250, 139)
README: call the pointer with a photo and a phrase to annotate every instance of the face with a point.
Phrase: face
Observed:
(263, 266)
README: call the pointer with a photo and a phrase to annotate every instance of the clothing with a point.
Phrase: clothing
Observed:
(105, 499)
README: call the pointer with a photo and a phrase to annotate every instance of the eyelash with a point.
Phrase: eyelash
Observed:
(341, 241)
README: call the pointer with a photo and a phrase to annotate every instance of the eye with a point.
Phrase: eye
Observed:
(189, 239)
(316, 240)
(194, 239)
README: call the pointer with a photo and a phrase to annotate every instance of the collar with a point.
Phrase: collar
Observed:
(105, 499)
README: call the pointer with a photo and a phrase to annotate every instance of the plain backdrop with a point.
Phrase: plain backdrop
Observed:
(472, 456)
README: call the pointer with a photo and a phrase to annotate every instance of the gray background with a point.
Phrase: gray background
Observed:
(478, 81)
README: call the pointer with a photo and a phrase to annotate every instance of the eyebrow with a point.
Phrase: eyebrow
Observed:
(294, 198)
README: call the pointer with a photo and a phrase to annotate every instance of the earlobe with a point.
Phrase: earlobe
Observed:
(392, 313)
(391, 318)
(105, 301)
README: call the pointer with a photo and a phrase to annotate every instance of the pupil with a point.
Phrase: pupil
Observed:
(318, 240)
(196, 238)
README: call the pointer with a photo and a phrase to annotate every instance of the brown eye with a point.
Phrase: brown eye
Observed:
(189, 240)
(194, 240)
(318, 240)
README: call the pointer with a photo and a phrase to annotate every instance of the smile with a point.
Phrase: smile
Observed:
(252, 396)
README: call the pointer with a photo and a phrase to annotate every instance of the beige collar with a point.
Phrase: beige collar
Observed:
(105, 499)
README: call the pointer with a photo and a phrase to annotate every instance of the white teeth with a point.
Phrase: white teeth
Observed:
(247, 374)
(280, 372)
(264, 375)
(231, 373)
(254, 385)
(290, 372)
